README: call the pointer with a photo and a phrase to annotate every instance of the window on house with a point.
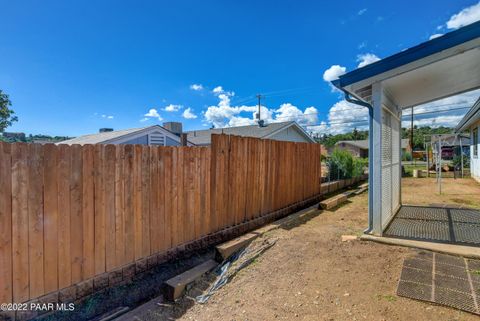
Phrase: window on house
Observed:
(475, 142)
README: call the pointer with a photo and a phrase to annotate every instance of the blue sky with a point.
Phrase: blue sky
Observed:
(71, 67)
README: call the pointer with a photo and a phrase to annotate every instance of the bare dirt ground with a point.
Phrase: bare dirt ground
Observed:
(465, 192)
(310, 274)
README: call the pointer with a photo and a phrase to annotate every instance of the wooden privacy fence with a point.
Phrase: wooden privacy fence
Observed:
(69, 213)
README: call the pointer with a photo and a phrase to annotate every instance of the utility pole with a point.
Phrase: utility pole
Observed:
(259, 107)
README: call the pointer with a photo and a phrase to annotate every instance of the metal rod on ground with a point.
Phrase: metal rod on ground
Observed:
(411, 136)
(440, 168)
(461, 154)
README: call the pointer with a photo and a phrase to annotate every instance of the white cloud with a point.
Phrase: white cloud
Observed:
(225, 115)
(362, 11)
(152, 113)
(289, 112)
(107, 116)
(366, 59)
(344, 117)
(437, 111)
(217, 90)
(188, 114)
(196, 87)
(436, 35)
(464, 17)
(172, 107)
(362, 45)
(334, 72)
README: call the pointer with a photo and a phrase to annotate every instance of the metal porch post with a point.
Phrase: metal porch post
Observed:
(375, 190)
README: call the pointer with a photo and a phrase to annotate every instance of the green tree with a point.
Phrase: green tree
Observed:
(7, 116)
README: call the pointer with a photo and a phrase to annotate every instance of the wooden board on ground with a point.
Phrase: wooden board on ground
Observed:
(331, 202)
(225, 250)
(175, 286)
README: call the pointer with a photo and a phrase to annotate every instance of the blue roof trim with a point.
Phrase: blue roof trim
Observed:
(420, 51)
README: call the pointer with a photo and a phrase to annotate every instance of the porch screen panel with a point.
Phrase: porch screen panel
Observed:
(386, 166)
(390, 165)
(396, 164)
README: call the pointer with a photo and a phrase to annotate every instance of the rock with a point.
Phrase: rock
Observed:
(347, 238)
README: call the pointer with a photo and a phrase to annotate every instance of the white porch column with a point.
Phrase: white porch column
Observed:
(375, 177)
(385, 179)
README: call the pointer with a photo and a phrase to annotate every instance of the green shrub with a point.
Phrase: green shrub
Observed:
(342, 164)
(457, 161)
(406, 156)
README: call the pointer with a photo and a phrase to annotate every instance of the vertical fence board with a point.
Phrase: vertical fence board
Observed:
(169, 198)
(5, 223)
(137, 199)
(88, 213)
(181, 228)
(119, 205)
(197, 175)
(175, 232)
(64, 255)
(76, 220)
(190, 220)
(109, 179)
(161, 244)
(154, 217)
(99, 215)
(21, 282)
(145, 202)
(50, 218)
(129, 209)
(35, 219)
(213, 183)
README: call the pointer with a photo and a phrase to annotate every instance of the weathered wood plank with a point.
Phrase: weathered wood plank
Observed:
(137, 200)
(129, 191)
(99, 215)
(6, 254)
(35, 220)
(109, 180)
(168, 197)
(119, 205)
(145, 201)
(162, 235)
(50, 217)
(21, 279)
(63, 199)
(154, 200)
(76, 220)
(88, 212)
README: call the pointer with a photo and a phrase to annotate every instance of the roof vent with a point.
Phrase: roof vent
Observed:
(174, 127)
(105, 130)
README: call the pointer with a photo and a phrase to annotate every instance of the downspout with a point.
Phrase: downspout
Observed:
(370, 155)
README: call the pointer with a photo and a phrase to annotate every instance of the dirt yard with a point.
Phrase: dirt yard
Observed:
(310, 274)
(464, 192)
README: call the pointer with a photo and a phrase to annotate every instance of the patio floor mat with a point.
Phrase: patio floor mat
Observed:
(443, 279)
(436, 224)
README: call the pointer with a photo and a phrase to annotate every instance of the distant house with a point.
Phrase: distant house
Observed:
(471, 123)
(359, 148)
(168, 135)
(284, 131)
(14, 136)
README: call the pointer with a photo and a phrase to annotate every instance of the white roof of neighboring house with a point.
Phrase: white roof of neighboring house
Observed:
(114, 136)
(470, 118)
(203, 137)
(363, 144)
